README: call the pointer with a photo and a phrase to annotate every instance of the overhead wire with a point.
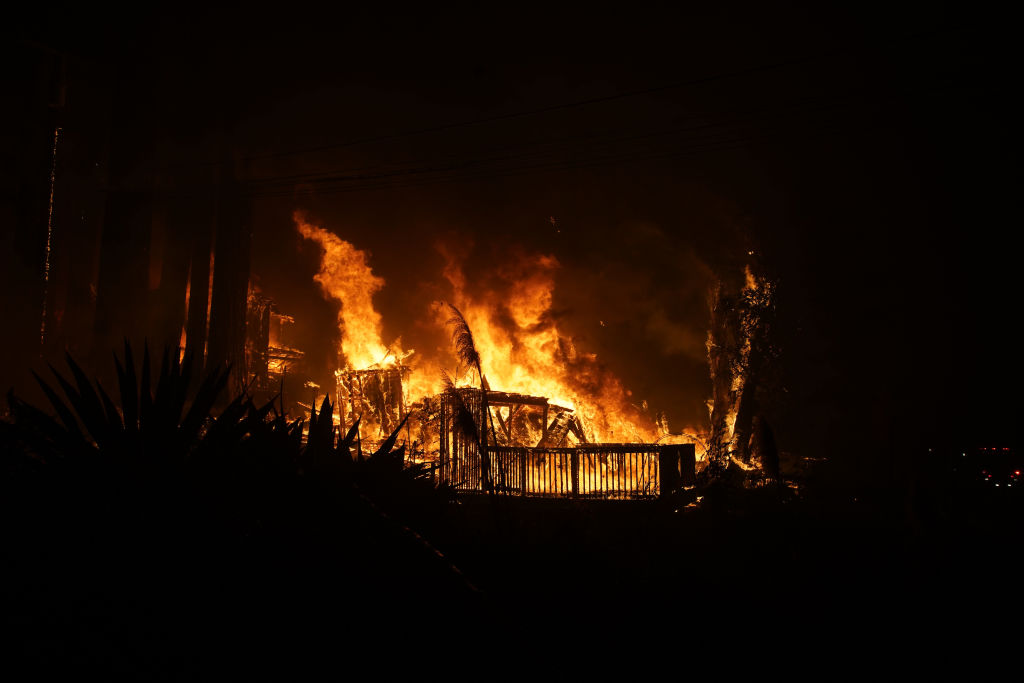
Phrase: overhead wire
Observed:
(544, 161)
(781, 64)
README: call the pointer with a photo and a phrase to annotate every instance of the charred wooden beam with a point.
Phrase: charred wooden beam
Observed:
(504, 398)
(577, 429)
(505, 426)
(557, 431)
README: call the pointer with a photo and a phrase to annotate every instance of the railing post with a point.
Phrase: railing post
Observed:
(575, 459)
(668, 470)
(443, 439)
(522, 471)
(688, 464)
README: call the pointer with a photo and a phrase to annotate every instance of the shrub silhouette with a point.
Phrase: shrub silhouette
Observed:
(163, 438)
(159, 469)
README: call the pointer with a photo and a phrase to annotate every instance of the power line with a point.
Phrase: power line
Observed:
(577, 103)
(710, 146)
(539, 159)
(560, 146)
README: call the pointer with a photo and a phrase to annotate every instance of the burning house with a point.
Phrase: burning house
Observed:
(555, 421)
(520, 420)
(270, 352)
(374, 397)
(521, 453)
(756, 259)
(176, 268)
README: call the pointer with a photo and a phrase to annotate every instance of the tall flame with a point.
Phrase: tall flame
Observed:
(523, 349)
(345, 276)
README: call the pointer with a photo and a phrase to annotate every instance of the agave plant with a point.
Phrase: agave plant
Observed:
(160, 510)
(161, 442)
(155, 425)
(383, 475)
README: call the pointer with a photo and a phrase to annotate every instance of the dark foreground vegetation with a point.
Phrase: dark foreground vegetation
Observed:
(145, 537)
(150, 537)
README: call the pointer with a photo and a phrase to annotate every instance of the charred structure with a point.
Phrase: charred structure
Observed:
(527, 455)
(374, 397)
(520, 419)
(270, 354)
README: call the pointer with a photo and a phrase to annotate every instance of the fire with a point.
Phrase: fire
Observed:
(346, 277)
(523, 350)
(522, 347)
(737, 349)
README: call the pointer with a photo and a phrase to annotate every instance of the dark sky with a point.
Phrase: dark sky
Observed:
(864, 155)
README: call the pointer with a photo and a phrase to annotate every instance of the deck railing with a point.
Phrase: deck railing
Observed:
(606, 471)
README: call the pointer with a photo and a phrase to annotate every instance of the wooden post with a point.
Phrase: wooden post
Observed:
(688, 464)
(575, 459)
(362, 396)
(668, 470)
(441, 441)
(340, 402)
(522, 471)
(350, 387)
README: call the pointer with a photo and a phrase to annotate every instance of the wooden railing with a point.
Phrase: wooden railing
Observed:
(606, 471)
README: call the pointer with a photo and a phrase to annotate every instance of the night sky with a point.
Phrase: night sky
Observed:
(864, 157)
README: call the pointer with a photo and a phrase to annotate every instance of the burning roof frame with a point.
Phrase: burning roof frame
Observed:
(588, 470)
(352, 391)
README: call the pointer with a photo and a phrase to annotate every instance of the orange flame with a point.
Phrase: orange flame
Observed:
(346, 277)
(523, 350)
